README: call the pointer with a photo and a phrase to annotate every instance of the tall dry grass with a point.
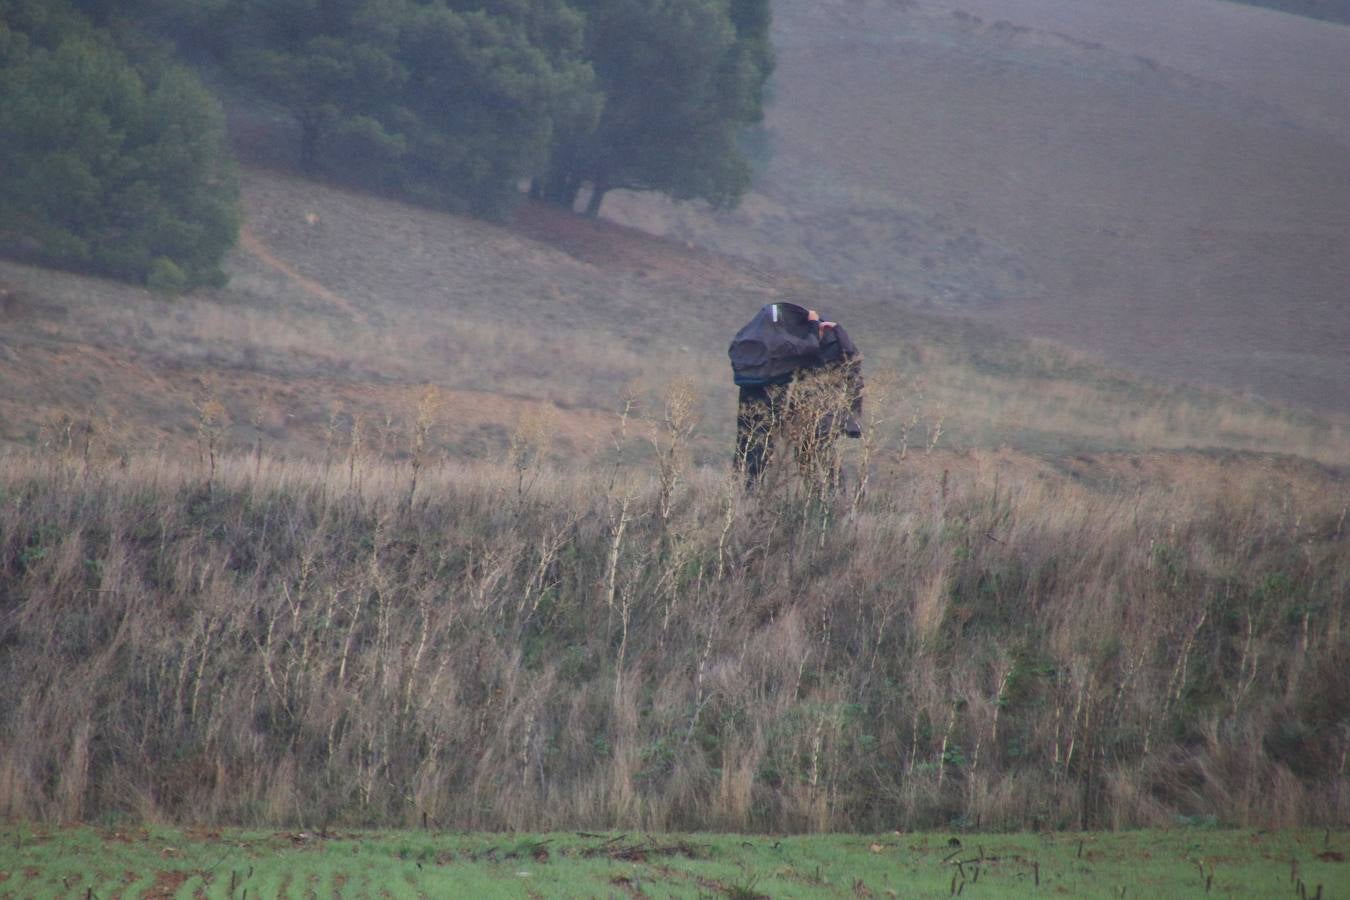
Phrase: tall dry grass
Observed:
(240, 639)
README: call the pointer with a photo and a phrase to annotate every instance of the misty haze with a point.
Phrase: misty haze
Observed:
(374, 472)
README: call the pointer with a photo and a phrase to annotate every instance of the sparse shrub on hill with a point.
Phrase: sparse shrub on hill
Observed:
(108, 167)
(518, 647)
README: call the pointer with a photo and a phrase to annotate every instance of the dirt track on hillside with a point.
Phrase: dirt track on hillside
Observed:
(249, 242)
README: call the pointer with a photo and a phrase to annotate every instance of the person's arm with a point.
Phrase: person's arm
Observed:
(821, 325)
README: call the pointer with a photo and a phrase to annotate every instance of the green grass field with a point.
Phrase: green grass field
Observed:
(163, 862)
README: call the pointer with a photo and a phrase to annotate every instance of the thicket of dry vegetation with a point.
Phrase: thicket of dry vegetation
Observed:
(640, 643)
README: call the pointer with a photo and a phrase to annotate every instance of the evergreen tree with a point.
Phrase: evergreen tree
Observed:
(106, 167)
(331, 63)
(456, 101)
(488, 88)
(682, 79)
(451, 102)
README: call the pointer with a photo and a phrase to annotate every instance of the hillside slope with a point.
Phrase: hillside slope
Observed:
(1164, 183)
(349, 319)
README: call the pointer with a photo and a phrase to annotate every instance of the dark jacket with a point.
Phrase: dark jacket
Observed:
(781, 341)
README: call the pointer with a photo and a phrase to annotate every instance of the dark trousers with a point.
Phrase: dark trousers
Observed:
(758, 414)
(809, 416)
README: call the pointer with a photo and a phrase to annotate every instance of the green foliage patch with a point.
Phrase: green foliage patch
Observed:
(111, 166)
(1184, 862)
(454, 103)
(682, 81)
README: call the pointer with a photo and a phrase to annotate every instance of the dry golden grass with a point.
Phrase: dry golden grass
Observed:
(984, 638)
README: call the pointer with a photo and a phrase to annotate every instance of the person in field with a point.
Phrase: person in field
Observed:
(800, 380)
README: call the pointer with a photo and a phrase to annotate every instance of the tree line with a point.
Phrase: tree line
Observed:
(119, 159)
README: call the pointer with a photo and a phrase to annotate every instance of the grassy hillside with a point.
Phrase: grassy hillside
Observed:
(348, 317)
(427, 519)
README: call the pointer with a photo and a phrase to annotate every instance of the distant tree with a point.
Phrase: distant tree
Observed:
(682, 80)
(329, 62)
(449, 101)
(106, 167)
(489, 89)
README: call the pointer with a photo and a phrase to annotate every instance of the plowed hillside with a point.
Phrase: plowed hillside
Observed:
(1166, 183)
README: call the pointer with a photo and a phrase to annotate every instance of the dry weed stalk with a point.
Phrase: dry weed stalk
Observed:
(670, 442)
(525, 449)
(330, 440)
(212, 420)
(428, 407)
(619, 519)
(355, 451)
(256, 423)
(544, 579)
(881, 392)
(728, 497)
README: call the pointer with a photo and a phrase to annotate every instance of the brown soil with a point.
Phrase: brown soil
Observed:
(618, 248)
(167, 884)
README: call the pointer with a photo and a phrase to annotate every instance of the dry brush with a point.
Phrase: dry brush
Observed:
(515, 646)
